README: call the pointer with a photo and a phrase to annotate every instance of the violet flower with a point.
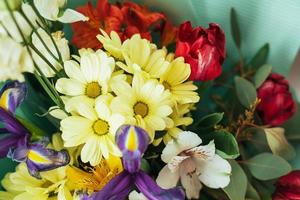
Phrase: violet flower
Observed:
(16, 140)
(133, 142)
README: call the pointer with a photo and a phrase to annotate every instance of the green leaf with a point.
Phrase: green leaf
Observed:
(260, 57)
(252, 193)
(226, 143)
(235, 29)
(35, 131)
(261, 75)
(245, 90)
(236, 190)
(211, 120)
(226, 156)
(267, 166)
(145, 166)
(279, 144)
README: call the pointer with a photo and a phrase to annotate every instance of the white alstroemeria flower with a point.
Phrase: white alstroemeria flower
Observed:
(51, 10)
(9, 25)
(14, 60)
(62, 45)
(134, 195)
(193, 164)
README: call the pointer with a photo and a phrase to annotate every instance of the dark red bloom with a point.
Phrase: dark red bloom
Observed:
(203, 49)
(277, 104)
(288, 187)
(126, 19)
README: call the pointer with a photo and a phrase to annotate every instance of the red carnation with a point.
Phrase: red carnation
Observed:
(203, 49)
(288, 187)
(277, 104)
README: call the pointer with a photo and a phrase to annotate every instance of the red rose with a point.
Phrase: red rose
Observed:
(203, 49)
(288, 187)
(277, 104)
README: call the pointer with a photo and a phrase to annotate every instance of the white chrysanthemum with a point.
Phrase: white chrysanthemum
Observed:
(14, 60)
(10, 26)
(146, 103)
(89, 79)
(95, 128)
(62, 46)
(112, 44)
(51, 10)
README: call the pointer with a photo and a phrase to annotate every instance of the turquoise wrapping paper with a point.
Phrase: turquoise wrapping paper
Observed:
(276, 22)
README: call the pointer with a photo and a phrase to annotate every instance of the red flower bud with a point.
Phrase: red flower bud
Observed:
(203, 49)
(288, 187)
(277, 104)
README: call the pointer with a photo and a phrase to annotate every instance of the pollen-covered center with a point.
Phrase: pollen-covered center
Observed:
(141, 109)
(101, 127)
(93, 90)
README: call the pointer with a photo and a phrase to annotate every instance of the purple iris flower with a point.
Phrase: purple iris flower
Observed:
(15, 142)
(133, 142)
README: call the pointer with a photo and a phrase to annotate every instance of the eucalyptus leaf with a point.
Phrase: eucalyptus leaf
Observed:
(267, 166)
(245, 91)
(236, 190)
(252, 193)
(235, 29)
(145, 166)
(226, 144)
(278, 143)
(260, 57)
(226, 156)
(210, 120)
(261, 75)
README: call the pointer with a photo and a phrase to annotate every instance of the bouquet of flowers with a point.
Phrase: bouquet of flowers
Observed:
(135, 107)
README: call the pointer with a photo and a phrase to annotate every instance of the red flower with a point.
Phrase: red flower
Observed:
(106, 16)
(288, 187)
(277, 104)
(126, 19)
(203, 49)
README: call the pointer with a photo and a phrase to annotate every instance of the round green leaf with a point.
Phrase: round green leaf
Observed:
(211, 120)
(261, 75)
(267, 166)
(236, 190)
(260, 57)
(246, 91)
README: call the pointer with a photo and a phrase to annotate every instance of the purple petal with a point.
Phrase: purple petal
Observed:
(152, 191)
(12, 124)
(12, 95)
(117, 188)
(40, 159)
(6, 143)
(132, 161)
(133, 142)
(19, 154)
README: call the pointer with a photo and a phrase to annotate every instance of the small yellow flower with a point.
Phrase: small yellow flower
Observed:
(146, 103)
(95, 128)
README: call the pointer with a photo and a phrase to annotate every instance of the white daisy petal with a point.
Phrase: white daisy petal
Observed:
(70, 87)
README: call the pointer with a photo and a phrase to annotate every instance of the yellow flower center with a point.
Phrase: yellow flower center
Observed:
(141, 109)
(167, 85)
(101, 127)
(93, 90)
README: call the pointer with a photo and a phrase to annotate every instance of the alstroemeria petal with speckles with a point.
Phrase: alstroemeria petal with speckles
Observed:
(133, 142)
(12, 95)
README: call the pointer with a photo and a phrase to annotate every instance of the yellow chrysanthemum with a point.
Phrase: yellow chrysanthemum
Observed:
(112, 44)
(146, 103)
(90, 79)
(175, 78)
(98, 177)
(20, 185)
(180, 119)
(95, 128)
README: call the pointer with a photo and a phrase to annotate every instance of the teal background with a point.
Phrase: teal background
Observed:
(276, 22)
